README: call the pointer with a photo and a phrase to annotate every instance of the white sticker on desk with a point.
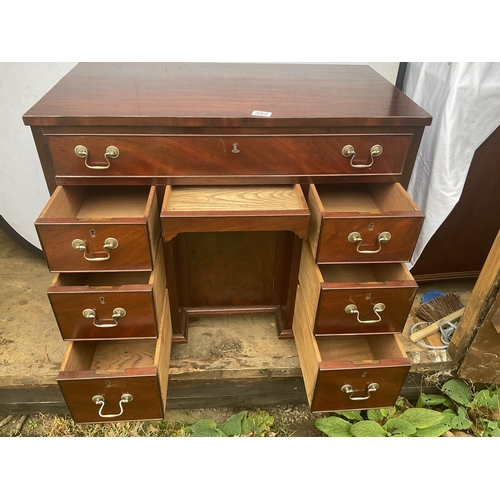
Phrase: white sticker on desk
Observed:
(262, 113)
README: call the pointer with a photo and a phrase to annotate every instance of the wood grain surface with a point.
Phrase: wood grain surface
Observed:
(199, 94)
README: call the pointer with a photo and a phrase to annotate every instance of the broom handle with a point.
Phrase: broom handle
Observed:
(435, 326)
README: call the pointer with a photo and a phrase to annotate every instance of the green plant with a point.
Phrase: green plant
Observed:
(242, 424)
(457, 408)
(466, 409)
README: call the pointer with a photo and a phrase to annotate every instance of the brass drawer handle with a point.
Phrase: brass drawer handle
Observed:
(349, 390)
(377, 308)
(111, 152)
(355, 237)
(109, 244)
(99, 400)
(118, 313)
(375, 150)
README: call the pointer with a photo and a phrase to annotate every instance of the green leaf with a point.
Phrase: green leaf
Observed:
(263, 419)
(263, 423)
(248, 427)
(375, 415)
(432, 400)
(458, 391)
(433, 431)
(368, 428)
(490, 428)
(202, 425)
(207, 432)
(232, 426)
(461, 421)
(399, 427)
(350, 415)
(448, 416)
(381, 413)
(422, 418)
(482, 398)
(334, 426)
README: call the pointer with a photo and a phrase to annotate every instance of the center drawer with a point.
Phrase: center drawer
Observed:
(363, 223)
(348, 372)
(346, 299)
(228, 155)
(100, 228)
(192, 209)
(117, 380)
(98, 306)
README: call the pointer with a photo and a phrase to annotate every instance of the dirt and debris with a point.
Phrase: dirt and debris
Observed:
(289, 421)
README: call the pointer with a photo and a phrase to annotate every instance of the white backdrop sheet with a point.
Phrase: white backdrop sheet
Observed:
(464, 100)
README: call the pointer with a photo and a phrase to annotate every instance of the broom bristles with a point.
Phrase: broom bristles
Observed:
(438, 308)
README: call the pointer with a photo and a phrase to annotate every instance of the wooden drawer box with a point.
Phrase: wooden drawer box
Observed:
(363, 223)
(348, 372)
(227, 155)
(117, 380)
(98, 306)
(233, 208)
(355, 298)
(100, 228)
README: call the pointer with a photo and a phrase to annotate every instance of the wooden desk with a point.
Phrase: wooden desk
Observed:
(222, 162)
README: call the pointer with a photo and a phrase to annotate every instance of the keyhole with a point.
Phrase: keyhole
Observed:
(92, 233)
(363, 374)
(101, 300)
(368, 296)
(108, 383)
(371, 226)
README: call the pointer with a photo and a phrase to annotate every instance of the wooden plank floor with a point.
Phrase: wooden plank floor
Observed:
(228, 361)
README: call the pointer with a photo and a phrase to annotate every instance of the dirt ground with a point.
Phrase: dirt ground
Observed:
(288, 421)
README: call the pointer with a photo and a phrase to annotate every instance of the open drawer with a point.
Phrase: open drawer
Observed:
(116, 380)
(99, 306)
(348, 372)
(362, 223)
(356, 298)
(194, 209)
(100, 228)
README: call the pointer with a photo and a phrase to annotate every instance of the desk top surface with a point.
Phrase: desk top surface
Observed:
(224, 94)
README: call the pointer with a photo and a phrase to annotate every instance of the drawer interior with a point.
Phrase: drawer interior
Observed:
(99, 202)
(365, 198)
(234, 198)
(364, 273)
(360, 349)
(109, 356)
(100, 280)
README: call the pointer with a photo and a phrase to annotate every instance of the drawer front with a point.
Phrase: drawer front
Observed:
(368, 244)
(133, 252)
(372, 386)
(221, 155)
(144, 389)
(355, 311)
(105, 315)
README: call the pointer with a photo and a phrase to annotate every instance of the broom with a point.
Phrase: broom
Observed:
(436, 309)
(445, 308)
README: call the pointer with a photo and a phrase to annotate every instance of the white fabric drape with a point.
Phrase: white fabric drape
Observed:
(464, 101)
